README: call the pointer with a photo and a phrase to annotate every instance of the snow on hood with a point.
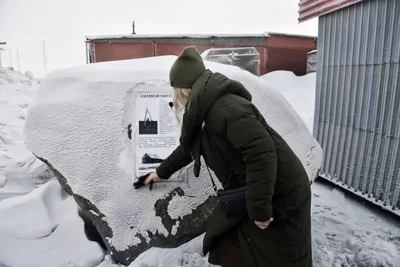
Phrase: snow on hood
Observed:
(16, 161)
(299, 91)
(78, 120)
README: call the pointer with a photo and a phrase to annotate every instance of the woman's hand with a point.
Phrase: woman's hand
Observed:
(263, 225)
(153, 177)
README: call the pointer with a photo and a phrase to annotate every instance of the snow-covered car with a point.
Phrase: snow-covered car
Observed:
(94, 124)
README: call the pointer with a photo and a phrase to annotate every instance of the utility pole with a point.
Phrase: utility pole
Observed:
(44, 57)
(1, 49)
(11, 59)
(133, 27)
(18, 62)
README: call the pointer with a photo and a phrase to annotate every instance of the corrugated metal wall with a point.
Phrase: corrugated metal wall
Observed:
(357, 116)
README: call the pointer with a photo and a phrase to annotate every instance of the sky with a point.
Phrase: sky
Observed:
(61, 25)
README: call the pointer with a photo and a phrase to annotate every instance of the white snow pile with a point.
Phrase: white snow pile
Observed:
(17, 164)
(299, 91)
(187, 255)
(43, 229)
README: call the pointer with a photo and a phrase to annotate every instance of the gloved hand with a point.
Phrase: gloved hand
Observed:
(285, 219)
(140, 182)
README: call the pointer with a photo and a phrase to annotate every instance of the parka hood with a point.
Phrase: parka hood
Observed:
(205, 91)
(211, 86)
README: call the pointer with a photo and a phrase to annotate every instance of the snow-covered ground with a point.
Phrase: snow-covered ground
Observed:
(19, 169)
(43, 228)
(347, 233)
(299, 91)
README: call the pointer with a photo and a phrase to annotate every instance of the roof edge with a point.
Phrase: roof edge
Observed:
(291, 35)
(164, 36)
(195, 36)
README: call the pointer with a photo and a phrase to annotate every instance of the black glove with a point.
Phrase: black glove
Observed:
(285, 219)
(140, 182)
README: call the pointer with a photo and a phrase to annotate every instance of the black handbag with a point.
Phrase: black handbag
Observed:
(233, 201)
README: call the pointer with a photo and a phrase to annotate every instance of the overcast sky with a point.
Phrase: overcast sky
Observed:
(63, 24)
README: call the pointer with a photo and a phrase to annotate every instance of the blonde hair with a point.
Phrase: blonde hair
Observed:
(180, 99)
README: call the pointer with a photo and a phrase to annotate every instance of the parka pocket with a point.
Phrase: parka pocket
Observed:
(272, 247)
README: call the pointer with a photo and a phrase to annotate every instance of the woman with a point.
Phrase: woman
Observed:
(221, 124)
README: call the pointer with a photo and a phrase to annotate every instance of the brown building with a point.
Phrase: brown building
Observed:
(277, 51)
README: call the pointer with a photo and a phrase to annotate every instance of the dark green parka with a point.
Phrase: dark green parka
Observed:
(241, 149)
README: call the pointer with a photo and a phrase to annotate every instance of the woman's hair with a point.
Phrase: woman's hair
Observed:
(180, 99)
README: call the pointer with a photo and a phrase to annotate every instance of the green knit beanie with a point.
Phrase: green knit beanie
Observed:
(187, 68)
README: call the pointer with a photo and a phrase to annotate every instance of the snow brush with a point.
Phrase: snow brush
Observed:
(140, 182)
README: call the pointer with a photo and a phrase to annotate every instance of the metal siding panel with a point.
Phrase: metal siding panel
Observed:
(309, 9)
(335, 96)
(318, 94)
(328, 93)
(393, 112)
(343, 104)
(350, 96)
(380, 23)
(321, 82)
(395, 46)
(358, 100)
(383, 159)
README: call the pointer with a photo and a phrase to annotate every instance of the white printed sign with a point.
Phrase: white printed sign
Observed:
(156, 130)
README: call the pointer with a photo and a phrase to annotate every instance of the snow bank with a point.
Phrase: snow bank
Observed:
(187, 255)
(347, 233)
(16, 162)
(84, 112)
(299, 91)
(43, 229)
